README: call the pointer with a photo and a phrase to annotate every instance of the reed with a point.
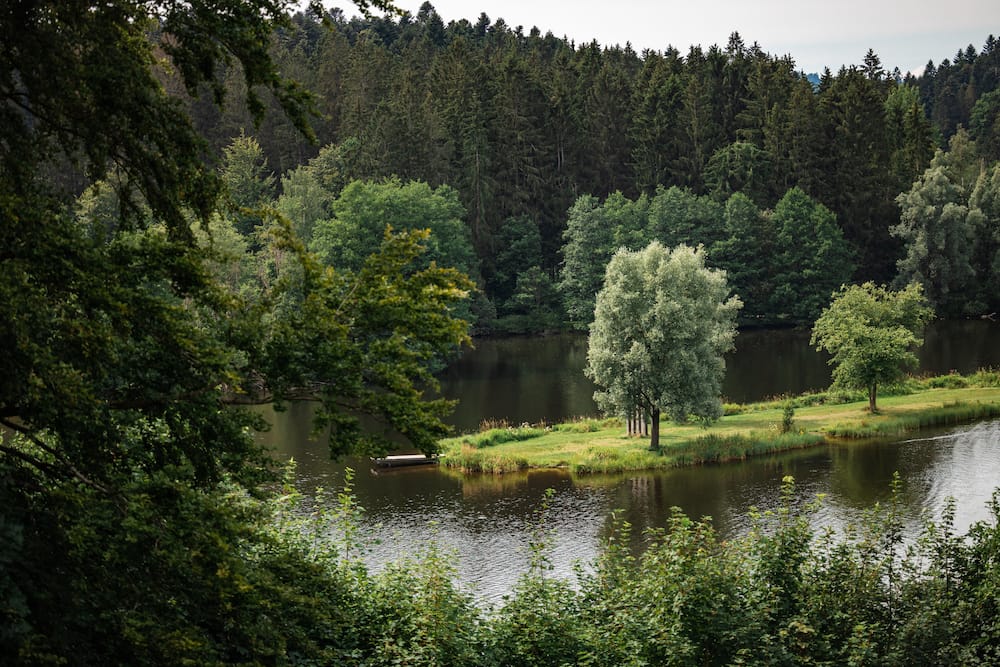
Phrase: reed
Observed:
(958, 412)
(472, 460)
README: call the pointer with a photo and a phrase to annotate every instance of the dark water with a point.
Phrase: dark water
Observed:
(535, 379)
(488, 520)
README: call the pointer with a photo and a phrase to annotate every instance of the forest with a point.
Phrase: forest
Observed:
(212, 205)
(539, 142)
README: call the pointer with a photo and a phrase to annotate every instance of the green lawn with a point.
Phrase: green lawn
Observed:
(593, 445)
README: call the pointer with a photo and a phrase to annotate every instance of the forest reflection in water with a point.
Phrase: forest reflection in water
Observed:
(489, 520)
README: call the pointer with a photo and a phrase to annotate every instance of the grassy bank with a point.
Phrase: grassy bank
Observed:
(601, 446)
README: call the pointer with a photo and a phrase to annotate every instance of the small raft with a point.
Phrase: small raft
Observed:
(404, 460)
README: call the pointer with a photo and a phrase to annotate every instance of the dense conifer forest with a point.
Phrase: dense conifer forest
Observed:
(530, 130)
(174, 249)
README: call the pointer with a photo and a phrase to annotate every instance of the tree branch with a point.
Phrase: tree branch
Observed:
(41, 465)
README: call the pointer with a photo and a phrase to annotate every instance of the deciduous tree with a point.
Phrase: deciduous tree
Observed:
(812, 258)
(872, 333)
(661, 325)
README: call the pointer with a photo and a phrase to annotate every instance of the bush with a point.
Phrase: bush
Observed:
(950, 381)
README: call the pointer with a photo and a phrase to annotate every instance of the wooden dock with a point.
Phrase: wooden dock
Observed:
(403, 460)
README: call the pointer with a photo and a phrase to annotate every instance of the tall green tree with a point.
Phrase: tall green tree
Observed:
(662, 322)
(872, 334)
(655, 130)
(986, 239)
(857, 186)
(249, 183)
(589, 246)
(463, 104)
(747, 255)
(910, 135)
(811, 257)
(739, 167)
(519, 248)
(984, 124)
(936, 227)
(364, 209)
(677, 215)
(125, 469)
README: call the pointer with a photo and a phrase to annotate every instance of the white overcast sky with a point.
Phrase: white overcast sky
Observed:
(816, 34)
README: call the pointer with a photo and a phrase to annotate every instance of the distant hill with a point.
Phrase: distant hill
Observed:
(813, 79)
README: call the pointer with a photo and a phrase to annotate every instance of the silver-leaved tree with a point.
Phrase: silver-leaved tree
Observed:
(661, 326)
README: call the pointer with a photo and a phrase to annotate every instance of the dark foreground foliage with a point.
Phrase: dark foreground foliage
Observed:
(168, 573)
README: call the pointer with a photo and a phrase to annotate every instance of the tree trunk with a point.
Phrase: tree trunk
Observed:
(654, 438)
(872, 391)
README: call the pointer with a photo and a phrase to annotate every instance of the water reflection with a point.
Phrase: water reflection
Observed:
(488, 520)
(541, 379)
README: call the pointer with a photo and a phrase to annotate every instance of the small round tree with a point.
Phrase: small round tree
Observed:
(661, 325)
(872, 333)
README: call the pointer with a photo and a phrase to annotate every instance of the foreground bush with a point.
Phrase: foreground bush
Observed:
(167, 573)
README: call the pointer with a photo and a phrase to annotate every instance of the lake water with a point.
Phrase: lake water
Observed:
(488, 520)
(534, 379)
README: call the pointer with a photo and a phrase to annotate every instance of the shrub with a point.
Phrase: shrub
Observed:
(787, 418)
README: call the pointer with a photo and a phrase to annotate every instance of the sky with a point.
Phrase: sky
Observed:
(830, 33)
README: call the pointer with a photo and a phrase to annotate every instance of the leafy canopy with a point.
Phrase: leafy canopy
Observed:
(661, 325)
(123, 344)
(872, 332)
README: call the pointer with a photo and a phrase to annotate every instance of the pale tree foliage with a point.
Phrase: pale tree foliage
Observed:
(872, 333)
(661, 326)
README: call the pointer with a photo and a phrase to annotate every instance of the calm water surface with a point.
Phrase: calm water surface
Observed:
(534, 379)
(488, 520)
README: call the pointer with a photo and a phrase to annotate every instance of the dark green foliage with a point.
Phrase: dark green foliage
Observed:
(948, 224)
(364, 210)
(812, 258)
(588, 249)
(746, 253)
(524, 124)
(679, 216)
(739, 167)
(985, 125)
(519, 247)
(128, 478)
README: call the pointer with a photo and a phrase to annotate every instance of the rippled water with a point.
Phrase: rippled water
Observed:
(488, 521)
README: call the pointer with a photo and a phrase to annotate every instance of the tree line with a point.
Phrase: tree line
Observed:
(150, 295)
(522, 125)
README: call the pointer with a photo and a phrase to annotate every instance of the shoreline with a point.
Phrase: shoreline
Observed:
(600, 445)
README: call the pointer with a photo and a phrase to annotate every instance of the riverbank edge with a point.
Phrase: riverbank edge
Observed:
(600, 446)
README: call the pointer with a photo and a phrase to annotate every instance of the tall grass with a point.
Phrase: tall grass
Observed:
(470, 459)
(948, 414)
(738, 446)
(498, 436)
